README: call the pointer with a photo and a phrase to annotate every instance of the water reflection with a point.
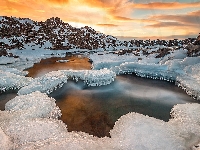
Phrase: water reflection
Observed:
(95, 109)
(5, 97)
(76, 62)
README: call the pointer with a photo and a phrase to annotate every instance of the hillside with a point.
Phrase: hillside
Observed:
(53, 33)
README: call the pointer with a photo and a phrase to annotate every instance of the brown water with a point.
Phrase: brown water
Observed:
(76, 62)
(95, 109)
(5, 97)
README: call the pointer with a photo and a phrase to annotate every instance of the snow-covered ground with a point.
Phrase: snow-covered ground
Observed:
(176, 66)
(30, 120)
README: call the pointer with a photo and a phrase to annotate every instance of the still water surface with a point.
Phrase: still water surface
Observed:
(95, 109)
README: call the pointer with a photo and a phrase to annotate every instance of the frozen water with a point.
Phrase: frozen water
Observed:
(54, 79)
(45, 84)
(7, 60)
(36, 104)
(35, 130)
(181, 69)
(12, 81)
(96, 109)
(5, 141)
(139, 132)
(27, 116)
(190, 82)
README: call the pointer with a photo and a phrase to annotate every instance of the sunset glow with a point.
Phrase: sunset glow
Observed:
(122, 18)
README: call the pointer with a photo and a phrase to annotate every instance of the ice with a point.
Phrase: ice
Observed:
(45, 84)
(179, 68)
(12, 81)
(92, 77)
(13, 70)
(190, 81)
(35, 130)
(139, 132)
(8, 60)
(5, 141)
(56, 79)
(34, 105)
(74, 141)
(186, 113)
(185, 118)
(28, 121)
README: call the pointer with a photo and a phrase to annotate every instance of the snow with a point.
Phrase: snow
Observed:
(12, 81)
(27, 116)
(33, 112)
(5, 141)
(185, 72)
(36, 104)
(55, 79)
(139, 132)
(30, 120)
(13, 70)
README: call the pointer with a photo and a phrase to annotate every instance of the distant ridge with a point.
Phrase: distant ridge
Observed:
(51, 34)
(24, 33)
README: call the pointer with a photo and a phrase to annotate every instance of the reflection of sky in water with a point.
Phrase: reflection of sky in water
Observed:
(5, 97)
(95, 109)
(75, 62)
(92, 109)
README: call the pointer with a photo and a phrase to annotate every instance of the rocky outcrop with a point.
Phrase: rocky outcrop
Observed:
(194, 48)
(51, 34)
(23, 33)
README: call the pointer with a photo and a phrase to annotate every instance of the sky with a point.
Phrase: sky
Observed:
(125, 19)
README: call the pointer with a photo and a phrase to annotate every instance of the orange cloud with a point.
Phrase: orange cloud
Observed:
(126, 19)
(105, 3)
(59, 1)
(170, 37)
(170, 5)
(122, 18)
(185, 24)
(168, 25)
(107, 25)
(187, 19)
(108, 16)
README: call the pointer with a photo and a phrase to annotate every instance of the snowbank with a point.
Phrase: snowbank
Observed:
(12, 81)
(8, 60)
(173, 67)
(56, 79)
(39, 130)
(139, 132)
(5, 141)
(34, 105)
(190, 82)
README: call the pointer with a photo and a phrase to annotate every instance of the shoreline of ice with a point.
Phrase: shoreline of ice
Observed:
(184, 71)
(56, 79)
(27, 116)
(32, 112)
